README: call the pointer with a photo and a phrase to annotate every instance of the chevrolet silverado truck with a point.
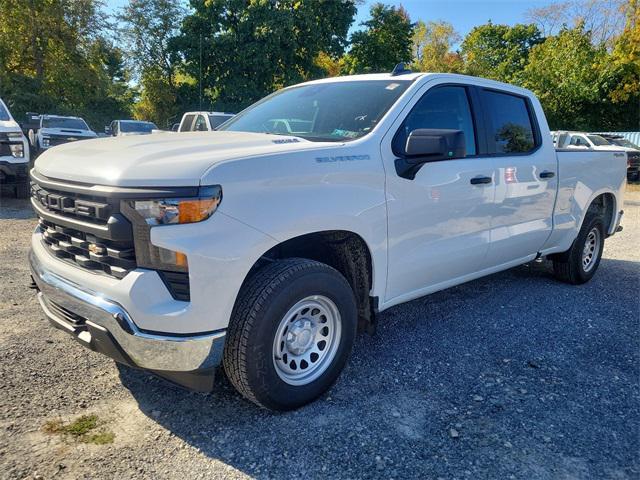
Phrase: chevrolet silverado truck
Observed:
(14, 154)
(52, 130)
(266, 252)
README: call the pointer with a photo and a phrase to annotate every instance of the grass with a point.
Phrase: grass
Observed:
(81, 429)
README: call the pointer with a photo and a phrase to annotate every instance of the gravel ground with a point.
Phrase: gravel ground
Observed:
(511, 376)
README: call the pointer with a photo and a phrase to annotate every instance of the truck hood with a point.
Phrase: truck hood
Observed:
(7, 126)
(68, 132)
(159, 160)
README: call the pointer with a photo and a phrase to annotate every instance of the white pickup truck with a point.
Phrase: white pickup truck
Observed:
(267, 252)
(14, 154)
(52, 130)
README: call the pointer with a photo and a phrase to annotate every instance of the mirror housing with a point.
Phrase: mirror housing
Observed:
(430, 145)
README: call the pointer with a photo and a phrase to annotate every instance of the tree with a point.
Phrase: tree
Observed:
(148, 28)
(245, 50)
(564, 72)
(603, 19)
(55, 57)
(385, 41)
(499, 52)
(432, 48)
(624, 68)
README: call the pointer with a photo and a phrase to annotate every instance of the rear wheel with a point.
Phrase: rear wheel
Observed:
(580, 262)
(290, 334)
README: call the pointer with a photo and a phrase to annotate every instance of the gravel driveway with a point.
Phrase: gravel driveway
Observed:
(511, 376)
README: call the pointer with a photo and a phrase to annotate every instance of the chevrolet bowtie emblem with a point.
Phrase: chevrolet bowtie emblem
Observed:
(97, 249)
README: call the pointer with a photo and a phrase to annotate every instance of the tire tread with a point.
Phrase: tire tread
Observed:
(253, 297)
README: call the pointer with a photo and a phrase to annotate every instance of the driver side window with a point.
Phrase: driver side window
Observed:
(439, 108)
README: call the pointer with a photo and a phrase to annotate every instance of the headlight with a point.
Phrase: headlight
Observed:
(174, 211)
(45, 142)
(17, 149)
(154, 213)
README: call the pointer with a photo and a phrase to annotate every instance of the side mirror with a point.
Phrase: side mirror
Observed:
(429, 145)
(107, 130)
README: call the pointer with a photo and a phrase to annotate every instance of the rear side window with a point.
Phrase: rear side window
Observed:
(201, 124)
(439, 108)
(186, 124)
(510, 128)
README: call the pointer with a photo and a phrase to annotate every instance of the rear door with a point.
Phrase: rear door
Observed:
(526, 176)
(439, 221)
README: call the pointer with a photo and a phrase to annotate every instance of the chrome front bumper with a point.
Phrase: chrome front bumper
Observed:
(103, 325)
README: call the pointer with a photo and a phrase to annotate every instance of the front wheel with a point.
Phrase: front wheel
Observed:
(290, 334)
(581, 261)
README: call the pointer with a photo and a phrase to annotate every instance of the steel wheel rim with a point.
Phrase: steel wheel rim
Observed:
(307, 340)
(591, 249)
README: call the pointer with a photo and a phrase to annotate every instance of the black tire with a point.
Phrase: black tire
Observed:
(568, 266)
(261, 305)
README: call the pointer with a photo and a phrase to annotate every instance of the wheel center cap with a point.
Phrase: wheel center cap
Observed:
(300, 337)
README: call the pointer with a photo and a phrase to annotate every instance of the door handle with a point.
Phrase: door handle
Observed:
(547, 174)
(480, 180)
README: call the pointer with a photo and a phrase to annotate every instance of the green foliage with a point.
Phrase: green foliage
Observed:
(385, 41)
(251, 48)
(565, 72)
(499, 52)
(54, 58)
(82, 429)
(432, 48)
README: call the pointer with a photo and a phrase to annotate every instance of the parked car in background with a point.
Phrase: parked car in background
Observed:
(266, 251)
(47, 131)
(203, 121)
(14, 154)
(594, 141)
(633, 154)
(121, 128)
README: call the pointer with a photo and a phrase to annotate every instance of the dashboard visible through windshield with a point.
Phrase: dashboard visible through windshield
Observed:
(336, 111)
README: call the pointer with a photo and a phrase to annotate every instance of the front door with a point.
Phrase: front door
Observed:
(438, 222)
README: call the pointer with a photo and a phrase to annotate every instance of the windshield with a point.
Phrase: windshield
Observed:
(4, 114)
(335, 111)
(64, 122)
(598, 141)
(623, 142)
(143, 127)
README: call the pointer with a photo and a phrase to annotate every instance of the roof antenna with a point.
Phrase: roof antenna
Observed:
(400, 69)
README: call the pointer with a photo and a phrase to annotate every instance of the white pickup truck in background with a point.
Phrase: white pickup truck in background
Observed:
(48, 131)
(14, 154)
(202, 121)
(266, 251)
(594, 141)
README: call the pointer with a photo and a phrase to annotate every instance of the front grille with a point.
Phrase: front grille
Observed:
(92, 227)
(88, 251)
(87, 208)
(61, 139)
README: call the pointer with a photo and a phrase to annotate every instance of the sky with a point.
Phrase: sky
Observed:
(462, 14)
